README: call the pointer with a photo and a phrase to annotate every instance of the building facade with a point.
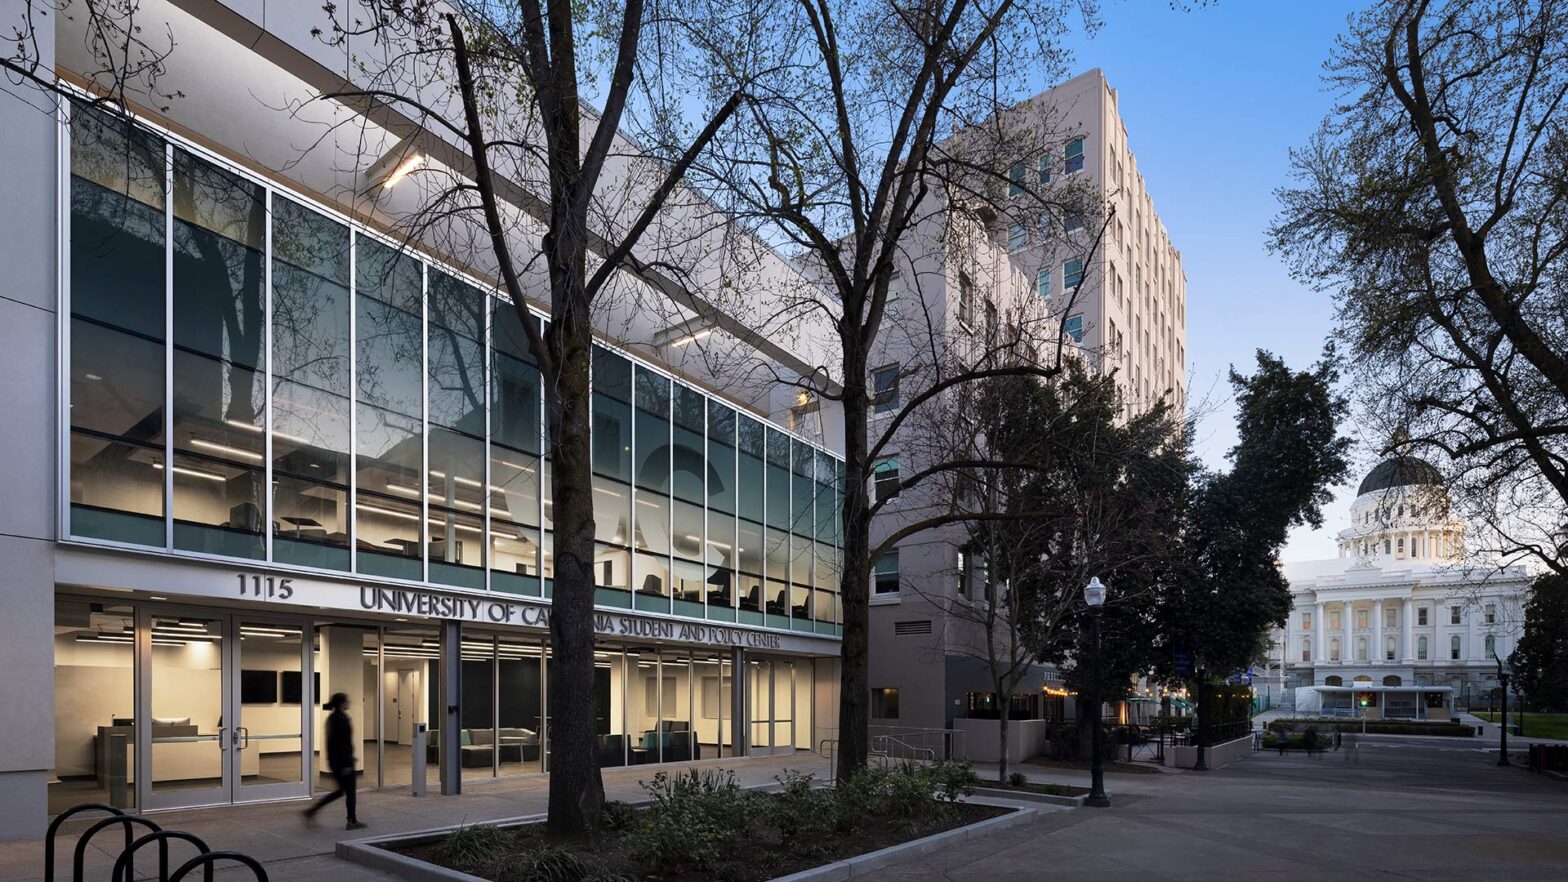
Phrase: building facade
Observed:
(1123, 308)
(1400, 622)
(264, 447)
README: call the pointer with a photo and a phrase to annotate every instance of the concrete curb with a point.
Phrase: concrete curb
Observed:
(1031, 796)
(368, 852)
(875, 860)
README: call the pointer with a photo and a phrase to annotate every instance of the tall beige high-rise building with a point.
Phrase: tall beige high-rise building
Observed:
(1123, 303)
(1131, 310)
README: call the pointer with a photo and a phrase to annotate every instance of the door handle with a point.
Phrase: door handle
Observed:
(221, 730)
(244, 736)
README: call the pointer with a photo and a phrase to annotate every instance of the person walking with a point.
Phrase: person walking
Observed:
(340, 760)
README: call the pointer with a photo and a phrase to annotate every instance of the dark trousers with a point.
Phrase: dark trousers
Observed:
(346, 780)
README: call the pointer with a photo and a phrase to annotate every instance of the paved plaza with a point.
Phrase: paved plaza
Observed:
(1393, 808)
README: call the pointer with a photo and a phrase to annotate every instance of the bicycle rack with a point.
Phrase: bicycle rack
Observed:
(125, 863)
(123, 869)
(81, 843)
(54, 827)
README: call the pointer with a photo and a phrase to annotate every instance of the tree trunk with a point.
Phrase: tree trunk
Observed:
(1006, 708)
(854, 698)
(576, 788)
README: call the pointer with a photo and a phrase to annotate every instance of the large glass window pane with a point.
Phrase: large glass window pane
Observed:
(778, 494)
(477, 751)
(722, 564)
(751, 478)
(389, 353)
(94, 701)
(117, 330)
(713, 713)
(519, 711)
(456, 355)
(690, 466)
(411, 682)
(612, 566)
(612, 424)
(748, 591)
(388, 513)
(800, 588)
(690, 584)
(677, 738)
(515, 396)
(652, 580)
(514, 558)
(219, 396)
(653, 522)
(310, 394)
(187, 704)
(611, 511)
(653, 431)
(721, 458)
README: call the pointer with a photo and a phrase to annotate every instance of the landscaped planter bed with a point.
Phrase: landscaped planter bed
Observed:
(705, 828)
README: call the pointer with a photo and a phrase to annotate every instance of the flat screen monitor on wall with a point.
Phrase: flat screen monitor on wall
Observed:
(258, 687)
(291, 683)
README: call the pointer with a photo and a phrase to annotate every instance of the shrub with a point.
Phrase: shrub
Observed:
(618, 816)
(694, 819)
(799, 807)
(1017, 779)
(474, 845)
(551, 864)
(955, 779)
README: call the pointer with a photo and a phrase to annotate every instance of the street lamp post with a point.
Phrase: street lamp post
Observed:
(1094, 596)
(1502, 718)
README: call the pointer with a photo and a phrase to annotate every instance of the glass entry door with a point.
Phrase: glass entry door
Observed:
(223, 704)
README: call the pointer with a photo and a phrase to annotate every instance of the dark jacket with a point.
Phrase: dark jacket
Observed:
(340, 741)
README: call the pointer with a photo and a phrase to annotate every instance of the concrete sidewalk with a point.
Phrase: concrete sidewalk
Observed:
(294, 849)
(1407, 809)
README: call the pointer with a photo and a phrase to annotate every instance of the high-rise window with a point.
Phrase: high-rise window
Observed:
(612, 477)
(885, 475)
(1015, 179)
(519, 556)
(1421, 648)
(884, 388)
(1073, 327)
(1044, 170)
(1421, 616)
(1072, 221)
(1074, 156)
(1072, 273)
(1453, 647)
(1042, 283)
(1453, 615)
(1491, 613)
(885, 573)
(966, 299)
(1017, 237)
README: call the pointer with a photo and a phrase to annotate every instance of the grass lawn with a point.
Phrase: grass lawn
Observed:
(1535, 725)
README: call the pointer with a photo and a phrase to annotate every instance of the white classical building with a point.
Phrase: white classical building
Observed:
(1400, 623)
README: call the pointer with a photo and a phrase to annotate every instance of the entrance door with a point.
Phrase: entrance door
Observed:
(222, 715)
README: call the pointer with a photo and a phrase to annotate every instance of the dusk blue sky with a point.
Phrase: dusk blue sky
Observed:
(1214, 99)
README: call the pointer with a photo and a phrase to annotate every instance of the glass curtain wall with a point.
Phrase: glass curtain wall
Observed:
(118, 291)
(456, 408)
(516, 411)
(389, 347)
(612, 477)
(354, 380)
(94, 705)
(310, 388)
(651, 514)
(721, 545)
(750, 485)
(219, 478)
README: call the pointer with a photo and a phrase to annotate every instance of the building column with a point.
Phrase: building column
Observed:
(1319, 625)
(1347, 640)
(1377, 632)
(1407, 620)
(1472, 618)
(451, 751)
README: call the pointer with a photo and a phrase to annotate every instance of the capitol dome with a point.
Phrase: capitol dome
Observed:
(1400, 471)
(1402, 512)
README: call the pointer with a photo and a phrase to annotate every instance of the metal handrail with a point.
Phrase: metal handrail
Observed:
(885, 741)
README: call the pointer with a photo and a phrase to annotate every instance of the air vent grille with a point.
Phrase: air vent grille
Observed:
(907, 629)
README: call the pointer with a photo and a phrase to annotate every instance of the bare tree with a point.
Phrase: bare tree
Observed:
(517, 175)
(886, 141)
(1434, 202)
